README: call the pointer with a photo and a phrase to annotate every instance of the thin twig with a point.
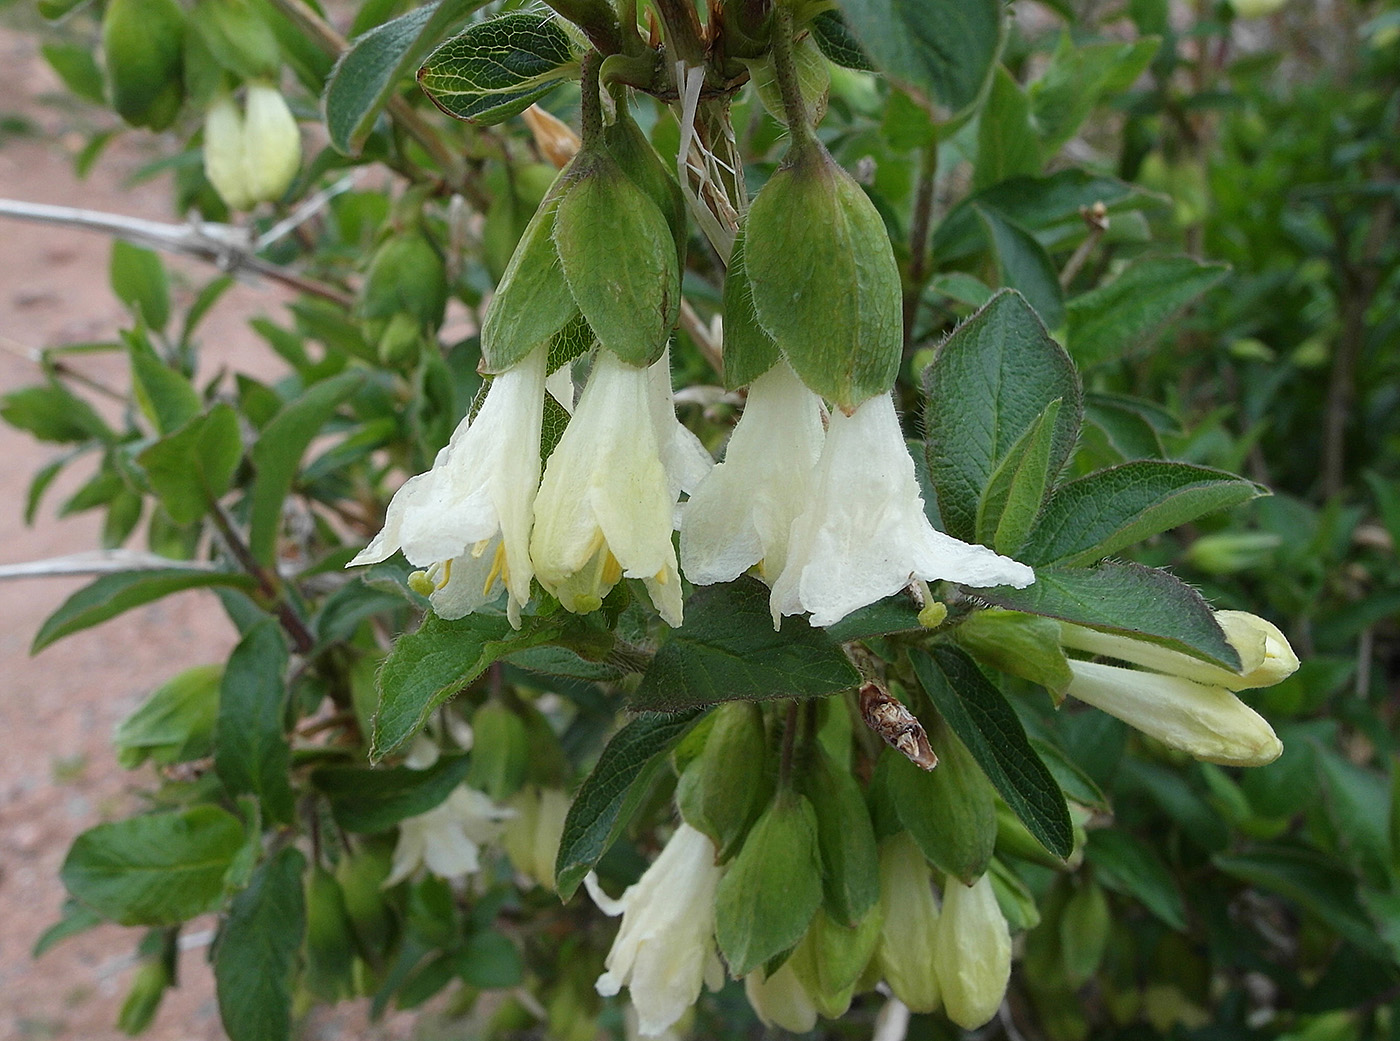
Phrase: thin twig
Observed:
(36, 356)
(223, 245)
(99, 562)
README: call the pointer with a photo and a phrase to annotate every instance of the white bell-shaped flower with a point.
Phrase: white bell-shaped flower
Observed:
(468, 519)
(864, 535)
(605, 507)
(742, 513)
(447, 839)
(665, 949)
(972, 952)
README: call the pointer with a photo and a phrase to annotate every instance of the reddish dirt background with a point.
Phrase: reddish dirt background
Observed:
(58, 710)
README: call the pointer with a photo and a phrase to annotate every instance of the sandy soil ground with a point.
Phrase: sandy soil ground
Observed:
(58, 709)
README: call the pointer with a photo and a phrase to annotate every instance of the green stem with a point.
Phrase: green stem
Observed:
(269, 585)
(682, 30)
(789, 746)
(785, 71)
(919, 236)
(597, 20)
(590, 103)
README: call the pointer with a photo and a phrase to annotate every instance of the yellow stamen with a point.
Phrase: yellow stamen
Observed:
(480, 548)
(662, 578)
(498, 568)
(612, 570)
(446, 573)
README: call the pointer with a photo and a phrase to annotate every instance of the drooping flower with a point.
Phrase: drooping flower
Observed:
(531, 839)
(605, 507)
(742, 513)
(905, 954)
(253, 155)
(447, 839)
(468, 519)
(1184, 702)
(972, 952)
(781, 999)
(864, 534)
(665, 949)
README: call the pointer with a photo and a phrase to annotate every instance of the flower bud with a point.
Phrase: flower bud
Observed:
(727, 785)
(253, 156)
(531, 838)
(271, 143)
(832, 958)
(973, 946)
(330, 941)
(406, 276)
(781, 1000)
(143, 999)
(825, 283)
(1209, 723)
(143, 50)
(905, 956)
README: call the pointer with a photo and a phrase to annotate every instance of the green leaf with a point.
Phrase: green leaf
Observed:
(159, 869)
(113, 594)
(257, 951)
(824, 280)
(175, 724)
(376, 800)
(251, 751)
(1024, 265)
(1006, 142)
(838, 43)
(1313, 881)
(192, 469)
(1133, 310)
(1012, 498)
(980, 715)
(1125, 865)
(988, 385)
(488, 960)
(498, 68)
(1101, 513)
(749, 352)
(427, 667)
(139, 281)
(727, 650)
(845, 838)
(76, 68)
(1079, 75)
(238, 38)
(1358, 803)
(278, 452)
(770, 891)
(1117, 597)
(610, 794)
(167, 398)
(75, 918)
(51, 413)
(942, 51)
(369, 73)
(619, 260)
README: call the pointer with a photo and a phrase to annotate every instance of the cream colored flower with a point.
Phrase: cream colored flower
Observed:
(972, 952)
(447, 839)
(742, 513)
(665, 949)
(531, 839)
(468, 519)
(864, 535)
(251, 156)
(1184, 702)
(905, 955)
(605, 507)
(781, 1000)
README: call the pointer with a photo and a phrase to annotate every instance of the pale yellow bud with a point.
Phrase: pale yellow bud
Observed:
(1256, 8)
(1207, 722)
(781, 1000)
(973, 952)
(223, 153)
(271, 143)
(1265, 654)
(905, 955)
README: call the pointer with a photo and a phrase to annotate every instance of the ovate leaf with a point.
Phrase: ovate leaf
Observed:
(159, 869)
(1024, 265)
(114, 594)
(192, 468)
(989, 384)
(727, 651)
(940, 50)
(257, 951)
(369, 73)
(427, 667)
(251, 751)
(980, 715)
(608, 796)
(498, 68)
(1097, 515)
(1131, 311)
(1130, 599)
